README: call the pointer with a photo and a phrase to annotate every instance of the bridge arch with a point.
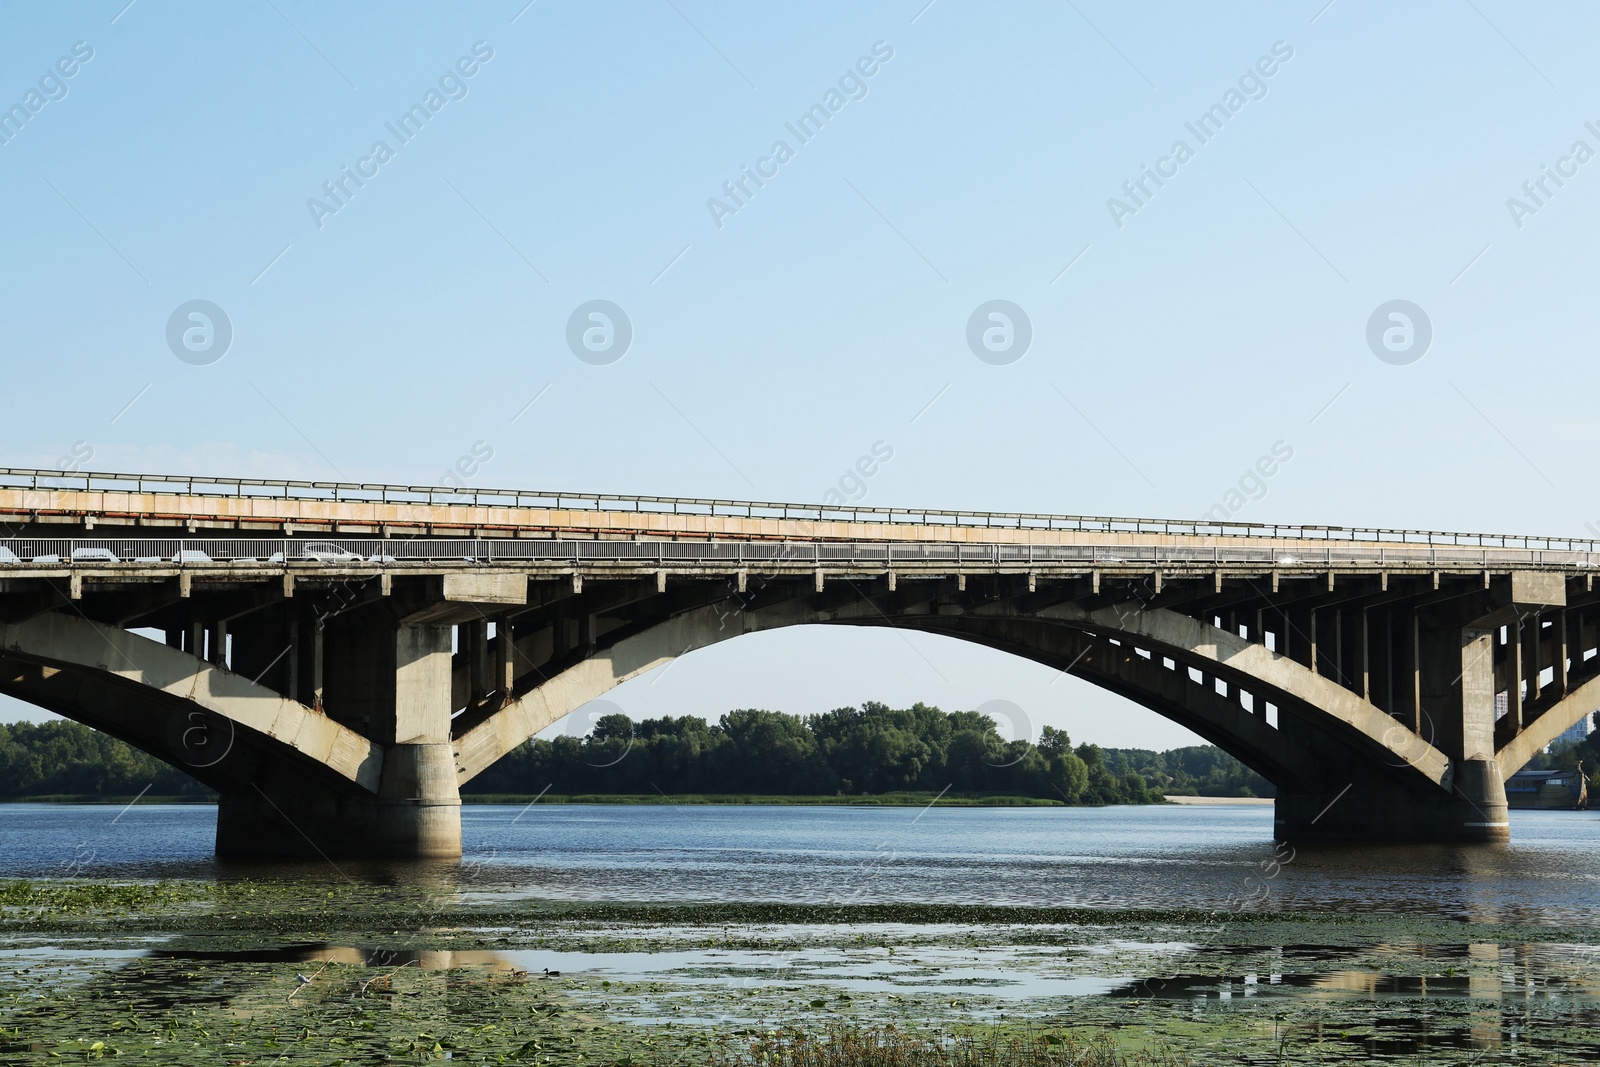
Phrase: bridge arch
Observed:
(171, 704)
(1100, 647)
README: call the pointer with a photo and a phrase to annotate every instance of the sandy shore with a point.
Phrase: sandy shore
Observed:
(1219, 800)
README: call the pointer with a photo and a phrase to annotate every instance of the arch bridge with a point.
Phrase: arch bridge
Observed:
(338, 660)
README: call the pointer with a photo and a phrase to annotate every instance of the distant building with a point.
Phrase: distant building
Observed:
(1578, 732)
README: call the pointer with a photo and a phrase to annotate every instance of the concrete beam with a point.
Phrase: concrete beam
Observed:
(72, 643)
(1253, 664)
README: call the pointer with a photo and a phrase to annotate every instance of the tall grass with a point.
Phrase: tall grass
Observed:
(889, 1046)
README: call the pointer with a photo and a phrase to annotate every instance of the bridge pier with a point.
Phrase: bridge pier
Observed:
(392, 682)
(1375, 807)
(1453, 681)
(283, 813)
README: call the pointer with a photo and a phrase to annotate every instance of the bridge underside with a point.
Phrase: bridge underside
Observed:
(339, 708)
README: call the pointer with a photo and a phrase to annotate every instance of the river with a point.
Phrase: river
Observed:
(662, 928)
(1202, 857)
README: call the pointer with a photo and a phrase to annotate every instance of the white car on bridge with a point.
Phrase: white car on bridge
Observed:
(327, 552)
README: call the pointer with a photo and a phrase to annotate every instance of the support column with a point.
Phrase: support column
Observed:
(1477, 774)
(217, 644)
(474, 640)
(1562, 629)
(1313, 655)
(392, 682)
(1364, 651)
(1414, 668)
(505, 649)
(419, 805)
(308, 660)
(1531, 653)
(1514, 671)
(1367, 795)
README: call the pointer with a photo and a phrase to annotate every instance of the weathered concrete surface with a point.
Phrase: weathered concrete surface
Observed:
(1249, 663)
(65, 641)
(379, 691)
(160, 514)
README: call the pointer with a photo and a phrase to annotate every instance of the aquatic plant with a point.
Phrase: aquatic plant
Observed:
(848, 1045)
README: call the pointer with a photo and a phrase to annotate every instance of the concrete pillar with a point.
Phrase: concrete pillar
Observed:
(474, 641)
(1364, 651)
(1514, 672)
(1563, 639)
(1413, 637)
(260, 648)
(504, 657)
(1531, 653)
(1362, 797)
(217, 644)
(1340, 674)
(391, 681)
(1477, 775)
(1313, 654)
(1388, 663)
(308, 660)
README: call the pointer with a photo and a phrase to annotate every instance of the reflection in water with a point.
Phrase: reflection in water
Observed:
(1406, 998)
(1195, 857)
(1399, 994)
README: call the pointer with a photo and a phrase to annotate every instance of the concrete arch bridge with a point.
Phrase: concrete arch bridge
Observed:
(338, 660)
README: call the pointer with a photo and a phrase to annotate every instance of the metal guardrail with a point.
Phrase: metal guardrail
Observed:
(22, 553)
(352, 492)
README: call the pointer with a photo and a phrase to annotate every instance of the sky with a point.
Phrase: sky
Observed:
(1373, 251)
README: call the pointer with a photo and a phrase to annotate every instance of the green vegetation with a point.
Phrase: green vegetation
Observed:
(414, 970)
(872, 754)
(1198, 770)
(853, 1045)
(64, 759)
(850, 752)
(881, 800)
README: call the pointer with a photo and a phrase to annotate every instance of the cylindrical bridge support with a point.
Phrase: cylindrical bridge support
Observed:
(394, 682)
(419, 806)
(284, 814)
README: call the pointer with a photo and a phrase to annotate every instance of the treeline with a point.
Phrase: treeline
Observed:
(67, 759)
(868, 750)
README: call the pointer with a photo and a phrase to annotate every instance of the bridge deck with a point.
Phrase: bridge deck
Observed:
(41, 500)
(108, 557)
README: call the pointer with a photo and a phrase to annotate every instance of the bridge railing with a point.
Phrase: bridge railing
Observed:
(363, 492)
(21, 553)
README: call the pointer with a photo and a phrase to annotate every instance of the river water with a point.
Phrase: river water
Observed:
(1410, 954)
(1204, 857)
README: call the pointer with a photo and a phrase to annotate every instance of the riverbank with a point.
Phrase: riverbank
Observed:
(950, 800)
(874, 800)
(1212, 801)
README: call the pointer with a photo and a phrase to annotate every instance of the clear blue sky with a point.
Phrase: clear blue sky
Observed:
(1226, 313)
